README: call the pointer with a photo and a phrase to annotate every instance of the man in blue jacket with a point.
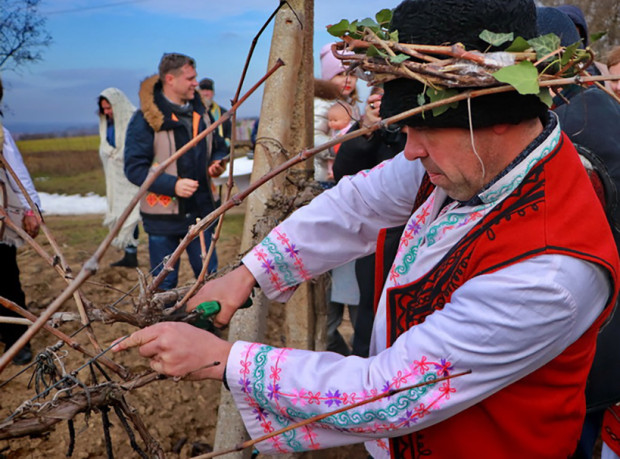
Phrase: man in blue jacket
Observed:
(171, 114)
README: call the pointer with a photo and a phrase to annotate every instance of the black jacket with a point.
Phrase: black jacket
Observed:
(364, 153)
(591, 119)
(155, 114)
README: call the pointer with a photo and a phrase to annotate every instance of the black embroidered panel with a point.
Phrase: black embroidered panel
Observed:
(409, 446)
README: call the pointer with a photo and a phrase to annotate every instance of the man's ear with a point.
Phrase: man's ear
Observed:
(168, 77)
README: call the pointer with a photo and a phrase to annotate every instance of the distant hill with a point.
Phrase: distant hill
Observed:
(26, 131)
(23, 131)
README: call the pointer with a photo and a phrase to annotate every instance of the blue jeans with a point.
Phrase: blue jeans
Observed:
(163, 246)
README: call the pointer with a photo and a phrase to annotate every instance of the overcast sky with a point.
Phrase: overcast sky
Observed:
(103, 43)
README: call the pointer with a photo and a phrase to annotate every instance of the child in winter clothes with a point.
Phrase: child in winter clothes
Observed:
(339, 121)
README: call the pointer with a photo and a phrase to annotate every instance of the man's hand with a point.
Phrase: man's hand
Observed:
(185, 188)
(217, 168)
(230, 290)
(371, 111)
(181, 350)
(31, 224)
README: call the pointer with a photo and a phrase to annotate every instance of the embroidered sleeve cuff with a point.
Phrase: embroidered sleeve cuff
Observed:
(266, 281)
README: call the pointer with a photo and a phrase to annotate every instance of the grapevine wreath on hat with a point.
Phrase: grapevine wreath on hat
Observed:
(432, 54)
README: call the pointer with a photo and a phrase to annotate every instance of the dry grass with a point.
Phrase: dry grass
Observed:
(64, 165)
(61, 163)
(90, 142)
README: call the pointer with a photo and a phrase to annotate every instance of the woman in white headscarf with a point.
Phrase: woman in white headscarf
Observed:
(115, 111)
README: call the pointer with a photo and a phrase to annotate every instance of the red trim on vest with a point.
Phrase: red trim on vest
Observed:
(544, 207)
(379, 260)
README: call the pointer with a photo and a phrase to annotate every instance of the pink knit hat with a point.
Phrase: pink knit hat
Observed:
(330, 65)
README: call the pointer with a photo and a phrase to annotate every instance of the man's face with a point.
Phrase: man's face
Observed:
(207, 95)
(106, 108)
(449, 159)
(181, 87)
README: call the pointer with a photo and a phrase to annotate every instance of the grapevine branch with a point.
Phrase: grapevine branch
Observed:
(90, 267)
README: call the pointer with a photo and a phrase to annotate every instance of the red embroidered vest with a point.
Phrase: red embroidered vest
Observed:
(554, 211)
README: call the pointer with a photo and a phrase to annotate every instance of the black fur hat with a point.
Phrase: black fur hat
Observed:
(439, 22)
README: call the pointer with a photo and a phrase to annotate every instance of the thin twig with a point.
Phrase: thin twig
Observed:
(115, 367)
(62, 267)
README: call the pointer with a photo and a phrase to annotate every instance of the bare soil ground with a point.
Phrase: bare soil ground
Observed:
(180, 416)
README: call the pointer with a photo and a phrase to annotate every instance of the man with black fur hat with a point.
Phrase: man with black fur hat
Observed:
(497, 259)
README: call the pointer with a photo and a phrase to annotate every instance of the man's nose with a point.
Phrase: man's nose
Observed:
(413, 148)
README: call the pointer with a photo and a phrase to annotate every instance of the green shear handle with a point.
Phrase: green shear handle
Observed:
(207, 309)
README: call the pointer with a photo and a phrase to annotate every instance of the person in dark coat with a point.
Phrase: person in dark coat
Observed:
(171, 114)
(591, 119)
(206, 88)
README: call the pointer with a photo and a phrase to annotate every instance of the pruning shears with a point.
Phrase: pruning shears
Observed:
(207, 309)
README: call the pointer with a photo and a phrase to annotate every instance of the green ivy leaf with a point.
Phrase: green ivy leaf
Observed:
(369, 23)
(545, 96)
(518, 46)
(384, 16)
(569, 53)
(496, 39)
(373, 51)
(394, 36)
(338, 30)
(436, 95)
(399, 58)
(545, 44)
(522, 76)
(354, 30)
(597, 36)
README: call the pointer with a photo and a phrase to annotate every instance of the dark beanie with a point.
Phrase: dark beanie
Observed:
(552, 20)
(440, 22)
(206, 83)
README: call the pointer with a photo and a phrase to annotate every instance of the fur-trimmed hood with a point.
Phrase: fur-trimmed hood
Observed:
(152, 104)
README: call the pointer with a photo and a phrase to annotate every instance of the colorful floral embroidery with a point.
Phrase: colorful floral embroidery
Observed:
(451, 221)
(269, 267)
(366, 172)
(293, 253)
(275, 261)
(276, 406)
(410, 241)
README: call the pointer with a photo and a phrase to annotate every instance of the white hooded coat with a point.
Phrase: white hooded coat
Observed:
(119, 191)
